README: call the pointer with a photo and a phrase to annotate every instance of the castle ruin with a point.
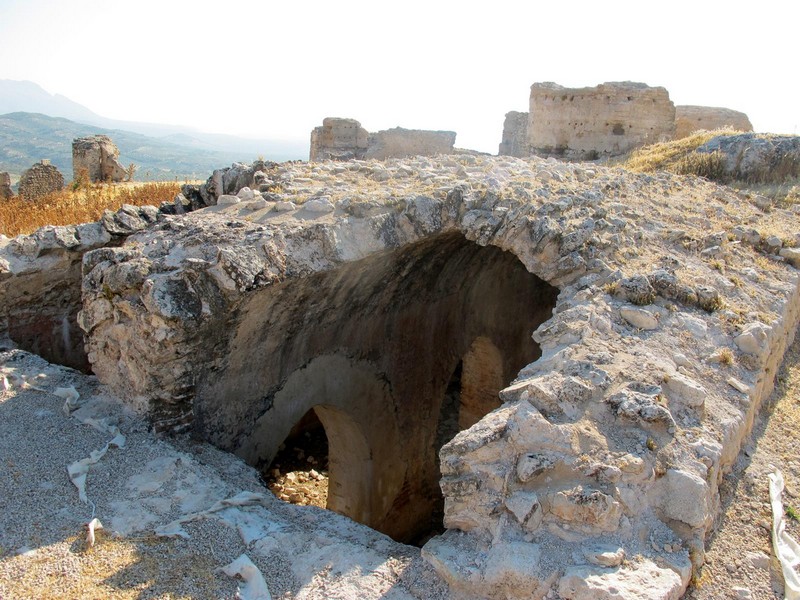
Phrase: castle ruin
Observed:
(345, 139)
(689, 119)
(5, 186)
(41, 179)
(610, 119)
(98, 157)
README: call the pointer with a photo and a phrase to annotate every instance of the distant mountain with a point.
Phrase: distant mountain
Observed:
(26, 96)
(26, 138)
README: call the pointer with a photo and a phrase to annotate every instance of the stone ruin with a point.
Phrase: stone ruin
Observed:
(528, 353)
(97, 157)
(5, 186)
(689, 119)
(345, 139)
(41, 179)
(610, 119)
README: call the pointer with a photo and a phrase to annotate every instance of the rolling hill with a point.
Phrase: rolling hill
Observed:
(26, 138)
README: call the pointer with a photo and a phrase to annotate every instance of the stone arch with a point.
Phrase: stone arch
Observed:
(354, 404)
(378, 340)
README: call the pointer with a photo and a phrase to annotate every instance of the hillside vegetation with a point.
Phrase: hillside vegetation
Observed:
(776, 176)
(26, 138)
(80, 204)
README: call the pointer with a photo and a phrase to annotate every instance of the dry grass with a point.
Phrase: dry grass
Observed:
(81, 205)
(779, 180)
(672, 156)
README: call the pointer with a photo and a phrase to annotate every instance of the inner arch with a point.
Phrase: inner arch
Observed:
(374, 344)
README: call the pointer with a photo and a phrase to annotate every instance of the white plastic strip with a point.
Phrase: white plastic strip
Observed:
(786, 548)
(254, 587)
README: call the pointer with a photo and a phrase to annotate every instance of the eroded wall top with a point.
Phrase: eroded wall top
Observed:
(609, 119)
(689, 119)
(346, 139)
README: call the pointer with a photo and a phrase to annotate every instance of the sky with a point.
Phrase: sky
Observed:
(276, 69)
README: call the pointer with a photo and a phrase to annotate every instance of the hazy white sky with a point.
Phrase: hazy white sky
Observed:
(275, 69)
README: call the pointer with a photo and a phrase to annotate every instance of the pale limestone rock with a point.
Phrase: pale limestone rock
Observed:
(605, 556)
(754, 339)
(683, 496)
(647, 581)
(245, 194)
(585, 509)
(686, 391)
(283, 206)
(319, 205)
(792, 255)
(639, 317)
(227, 199)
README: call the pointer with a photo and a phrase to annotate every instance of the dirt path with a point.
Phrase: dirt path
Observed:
(739, 556)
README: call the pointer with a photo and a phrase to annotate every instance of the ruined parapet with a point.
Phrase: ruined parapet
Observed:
(400, 143)
(5, 186)
(98, 157)
(607, 120)
(41, 179)
(345, 139)
(601, 468)
(338, 139)
(689, 119)
(40, 282)
(515, 135)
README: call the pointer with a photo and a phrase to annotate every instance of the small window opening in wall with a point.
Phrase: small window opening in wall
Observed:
(630, 98)
(299, 472)
(618, 129)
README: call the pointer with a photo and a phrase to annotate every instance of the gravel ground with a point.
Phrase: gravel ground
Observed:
(302, 552)
(739, 557)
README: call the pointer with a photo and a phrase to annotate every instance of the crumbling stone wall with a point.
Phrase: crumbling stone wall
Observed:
(345, 139)
(400, 142)
(5, 186)
(40, 282)
(338, 139)
(515, 135)
(98, 157)
(691, 118)
(606, 120)
(41, 179)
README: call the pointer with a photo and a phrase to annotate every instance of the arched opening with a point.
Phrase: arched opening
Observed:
(374, 348)
(299, 472)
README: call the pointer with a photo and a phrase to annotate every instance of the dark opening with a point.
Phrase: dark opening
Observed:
(395, 354)
(299, 472)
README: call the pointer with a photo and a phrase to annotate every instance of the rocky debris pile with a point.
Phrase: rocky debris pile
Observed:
(97, 158)
(5, 186)
(41, 179)
(307, 488)
(757, 158)
(40, 282)
(239, 182)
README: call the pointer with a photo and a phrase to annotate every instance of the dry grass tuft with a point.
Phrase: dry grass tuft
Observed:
(79, 204)
(673, 156)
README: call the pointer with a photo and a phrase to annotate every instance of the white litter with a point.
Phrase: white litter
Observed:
(80, 469)
(70, 396)
(175, 529)
(786, 548)
(255, 587)
(91, 526)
